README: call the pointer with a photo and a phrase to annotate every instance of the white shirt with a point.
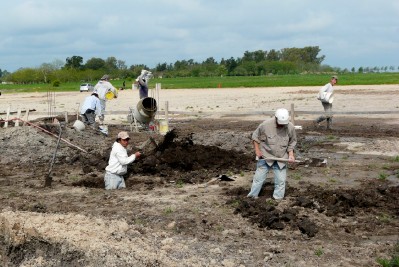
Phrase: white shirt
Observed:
(103, 87)
(325, 93)
(328, 88)
(93, 103)
(118, 160)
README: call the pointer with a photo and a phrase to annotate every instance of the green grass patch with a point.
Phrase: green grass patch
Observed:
(382, 176)
(224, 82)
(168, 210)
(394, 262)
(297, 176)
(179, 184)
(319, 252)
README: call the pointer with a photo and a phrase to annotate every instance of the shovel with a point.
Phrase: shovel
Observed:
(281, 159)
(221, 177)
(314, 162)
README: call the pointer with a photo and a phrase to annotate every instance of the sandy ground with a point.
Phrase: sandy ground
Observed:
(218, 102)
(173, 211)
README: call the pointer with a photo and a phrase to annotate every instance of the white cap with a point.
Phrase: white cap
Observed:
(282, 115)
(123, 135)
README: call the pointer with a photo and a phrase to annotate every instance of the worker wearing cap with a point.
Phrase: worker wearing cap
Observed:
(274, 138)
(91, 106)
(326, 97)
(101, 89)
(118, 161)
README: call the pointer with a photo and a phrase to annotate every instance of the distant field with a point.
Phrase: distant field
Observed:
(225, 82)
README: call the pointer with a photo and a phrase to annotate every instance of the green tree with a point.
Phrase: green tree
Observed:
(210, 65)
(111, 64)
(230, 65)
(46, 69)
(121, 65)
(95, 63)
(273, 55)
(74, 62)
(161, 67)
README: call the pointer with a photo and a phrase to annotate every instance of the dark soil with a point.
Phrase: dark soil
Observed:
(354, 197)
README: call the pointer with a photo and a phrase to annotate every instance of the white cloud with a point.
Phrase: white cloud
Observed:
(156, 31)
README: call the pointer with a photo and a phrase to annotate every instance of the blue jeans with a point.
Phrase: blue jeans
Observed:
(114, 181)
(280, 176)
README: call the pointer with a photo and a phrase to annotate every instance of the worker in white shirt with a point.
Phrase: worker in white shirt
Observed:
(102, 88)
(90, 108)
(118, 161)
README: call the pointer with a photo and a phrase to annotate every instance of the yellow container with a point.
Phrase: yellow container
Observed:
(110, 95)
(163, 127)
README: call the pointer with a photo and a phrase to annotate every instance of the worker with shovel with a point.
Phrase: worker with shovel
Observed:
(118, 161)
(274, 142)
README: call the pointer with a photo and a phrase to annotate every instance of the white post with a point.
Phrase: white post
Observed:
(7, 117)
(292, 114)
(16, 122)
(26, 117)
(167, 112)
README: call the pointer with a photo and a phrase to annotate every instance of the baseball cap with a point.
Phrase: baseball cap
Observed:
(282, 115)
(334, 77)
(123, 135)
(105, 77)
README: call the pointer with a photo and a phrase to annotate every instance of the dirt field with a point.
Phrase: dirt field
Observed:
(175, 213)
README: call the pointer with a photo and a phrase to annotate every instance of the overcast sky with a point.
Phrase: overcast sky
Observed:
(349, 33)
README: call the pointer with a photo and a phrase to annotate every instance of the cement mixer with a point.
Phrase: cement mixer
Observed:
(144, 112)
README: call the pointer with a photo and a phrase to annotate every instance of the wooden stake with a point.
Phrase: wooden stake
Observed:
(167, 111)
(26, 117)
(292, 114)
(16, 123)
(7, 117)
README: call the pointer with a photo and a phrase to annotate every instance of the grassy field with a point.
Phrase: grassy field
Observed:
(225, 82)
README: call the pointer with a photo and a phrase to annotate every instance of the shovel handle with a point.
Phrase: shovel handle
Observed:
(282, 160)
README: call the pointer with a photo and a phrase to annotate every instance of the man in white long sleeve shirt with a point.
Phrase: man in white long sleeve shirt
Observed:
(326, 98)
(118, 161)
(90, 108)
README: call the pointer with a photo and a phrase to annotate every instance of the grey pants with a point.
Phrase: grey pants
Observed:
(89, 118)
(114, 181)
(328, 114)
(143, 91)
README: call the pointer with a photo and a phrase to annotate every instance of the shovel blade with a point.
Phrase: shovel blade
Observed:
(316, 162)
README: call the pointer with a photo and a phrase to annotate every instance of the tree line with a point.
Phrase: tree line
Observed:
(256, 63)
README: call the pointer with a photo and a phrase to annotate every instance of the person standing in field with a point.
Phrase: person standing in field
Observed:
(142, 82)
(326, 98)
(101, 89)
(275, 138)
